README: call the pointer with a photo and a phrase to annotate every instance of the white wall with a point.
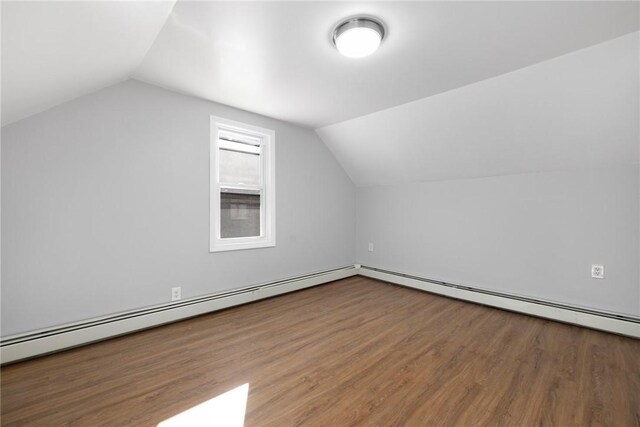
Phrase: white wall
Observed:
(516, 184)
(105, 198)
(534, 234)
(105, 207)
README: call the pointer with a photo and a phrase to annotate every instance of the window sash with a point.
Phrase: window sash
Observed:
(242, 190)
(240, 216)
(232, 136)
(253, 147)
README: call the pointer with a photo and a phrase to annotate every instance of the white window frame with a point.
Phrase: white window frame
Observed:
(267, 143)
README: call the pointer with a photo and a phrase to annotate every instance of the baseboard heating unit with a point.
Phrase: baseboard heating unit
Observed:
(49, 340)
(31, 344)
(604, 321)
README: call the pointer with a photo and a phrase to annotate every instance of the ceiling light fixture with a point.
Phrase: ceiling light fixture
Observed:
(358, 37)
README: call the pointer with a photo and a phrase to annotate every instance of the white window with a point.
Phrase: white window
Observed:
(242, 174)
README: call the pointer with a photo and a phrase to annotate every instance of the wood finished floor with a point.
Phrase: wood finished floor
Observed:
(352, 352)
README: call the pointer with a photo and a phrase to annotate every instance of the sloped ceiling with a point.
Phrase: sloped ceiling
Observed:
(580, 110)
(457, 89)
(275, 58)
(55, 51)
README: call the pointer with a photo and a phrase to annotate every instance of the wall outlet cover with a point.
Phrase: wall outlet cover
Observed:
(176, 293)
(597, 271)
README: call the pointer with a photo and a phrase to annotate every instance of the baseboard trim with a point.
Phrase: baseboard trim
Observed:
(37, 343)
(609, 322)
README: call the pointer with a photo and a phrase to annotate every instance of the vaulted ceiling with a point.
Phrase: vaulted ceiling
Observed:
(429, 92)
(275, 58)
(577, 111)
(53, 51)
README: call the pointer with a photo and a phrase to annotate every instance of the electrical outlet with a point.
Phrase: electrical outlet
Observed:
(176, 293)
(370, 247)
(597, 271)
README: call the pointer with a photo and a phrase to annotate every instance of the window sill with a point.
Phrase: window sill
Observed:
(221, 246)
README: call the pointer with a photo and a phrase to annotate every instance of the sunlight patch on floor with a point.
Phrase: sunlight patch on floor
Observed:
(225, 410)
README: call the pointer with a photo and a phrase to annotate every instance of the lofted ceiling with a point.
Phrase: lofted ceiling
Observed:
(577, 111)
(428, 92)
(54, 51)
(275, 58)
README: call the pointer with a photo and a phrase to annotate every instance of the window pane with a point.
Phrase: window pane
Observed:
(237, 167)
(239, 215)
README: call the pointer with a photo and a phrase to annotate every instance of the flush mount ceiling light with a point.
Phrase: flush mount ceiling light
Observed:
(358, 37)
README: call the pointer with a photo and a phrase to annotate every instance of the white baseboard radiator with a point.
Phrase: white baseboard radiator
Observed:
(31, 344)
(27, 345)
(604, 321)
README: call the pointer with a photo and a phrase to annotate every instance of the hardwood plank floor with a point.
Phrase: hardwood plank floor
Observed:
(352, 352)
